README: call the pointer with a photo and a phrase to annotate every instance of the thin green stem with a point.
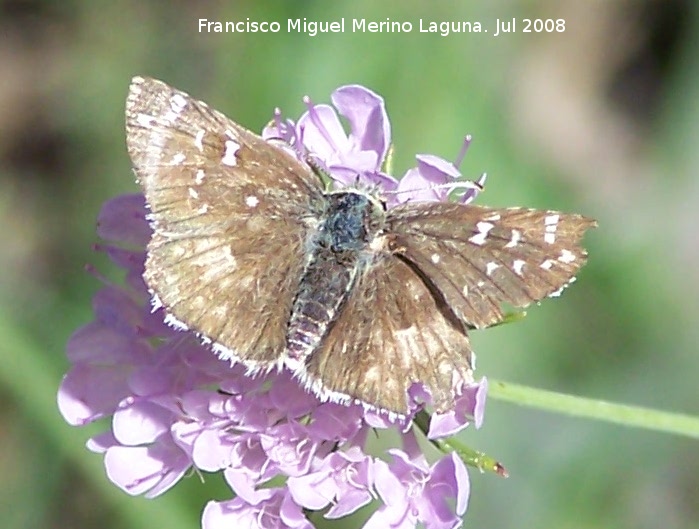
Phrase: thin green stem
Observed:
(480, 460)
(626, 415)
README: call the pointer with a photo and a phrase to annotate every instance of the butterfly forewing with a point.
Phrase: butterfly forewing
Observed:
(480, 258)
(392, 332)
(222, 203)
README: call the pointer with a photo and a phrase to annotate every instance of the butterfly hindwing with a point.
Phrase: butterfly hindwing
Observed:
(391, 332)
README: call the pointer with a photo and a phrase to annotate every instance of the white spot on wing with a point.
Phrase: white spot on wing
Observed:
(516, 237)
(199, 178)
(435, 258)
(252, 201)
(145, 120)
(518, 265)
(551, 222)
(491, 267)
(193, 193)
(483, 229)
(177, 103)
(546, 265)
(178, 158)
(229, 157)
(198, 140)
(566, 256)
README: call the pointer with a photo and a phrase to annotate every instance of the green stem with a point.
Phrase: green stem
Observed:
(480, 460)
(635, 416)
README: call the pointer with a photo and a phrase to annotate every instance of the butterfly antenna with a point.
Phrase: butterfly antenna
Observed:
(473, 187)
(319, 169)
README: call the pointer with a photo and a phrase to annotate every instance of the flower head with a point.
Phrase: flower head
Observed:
(357, 159)
(175, 406)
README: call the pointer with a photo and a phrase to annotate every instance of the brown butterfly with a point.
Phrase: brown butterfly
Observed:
(251, 252)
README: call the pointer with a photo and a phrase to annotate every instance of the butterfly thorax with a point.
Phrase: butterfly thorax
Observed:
(338, 253)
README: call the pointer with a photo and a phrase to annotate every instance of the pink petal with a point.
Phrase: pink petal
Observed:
(366, 113)
(140, 469)
(140, 423)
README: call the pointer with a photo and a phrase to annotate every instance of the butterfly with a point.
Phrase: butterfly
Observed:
(254, 254)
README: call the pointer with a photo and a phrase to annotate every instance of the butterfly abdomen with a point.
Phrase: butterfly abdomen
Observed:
(324, 286)
(335, 259)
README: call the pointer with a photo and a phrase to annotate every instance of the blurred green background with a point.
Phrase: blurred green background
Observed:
(602, 119)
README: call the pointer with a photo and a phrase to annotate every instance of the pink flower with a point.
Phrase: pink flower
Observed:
(357, 159)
